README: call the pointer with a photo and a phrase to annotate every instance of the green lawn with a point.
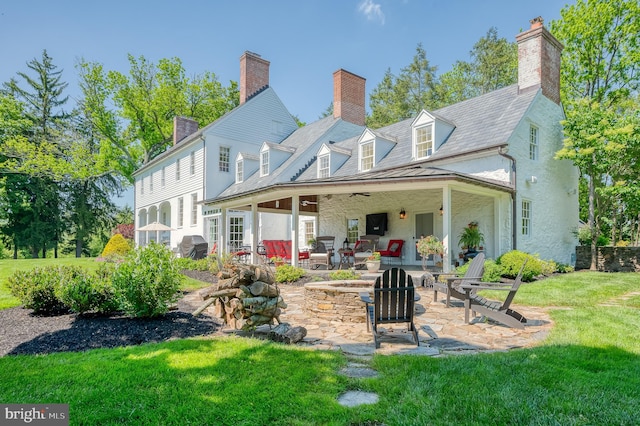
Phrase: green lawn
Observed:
(587, 372)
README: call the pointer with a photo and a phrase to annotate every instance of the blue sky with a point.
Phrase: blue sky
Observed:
(305, 41)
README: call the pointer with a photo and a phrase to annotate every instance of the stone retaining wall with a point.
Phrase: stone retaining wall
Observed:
(610, 259)
(337, 300)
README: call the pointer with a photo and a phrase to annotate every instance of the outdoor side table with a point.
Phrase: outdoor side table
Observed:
(345, 257)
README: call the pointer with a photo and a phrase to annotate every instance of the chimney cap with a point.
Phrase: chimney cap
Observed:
(537, 22)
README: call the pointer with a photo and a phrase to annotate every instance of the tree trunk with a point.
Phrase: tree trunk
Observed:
(592, 223)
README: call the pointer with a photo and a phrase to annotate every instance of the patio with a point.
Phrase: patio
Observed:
(441, 330)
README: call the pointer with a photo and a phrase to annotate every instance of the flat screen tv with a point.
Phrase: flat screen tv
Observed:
(376, 224)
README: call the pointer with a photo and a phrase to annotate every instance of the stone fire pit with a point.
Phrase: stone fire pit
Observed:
(337, 300)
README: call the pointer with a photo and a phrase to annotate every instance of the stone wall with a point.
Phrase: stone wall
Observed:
(337, 300)
(610, 259)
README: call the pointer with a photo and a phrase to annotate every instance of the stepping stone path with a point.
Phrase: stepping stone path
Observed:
(616, 301)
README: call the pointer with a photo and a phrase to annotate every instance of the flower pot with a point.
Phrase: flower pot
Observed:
(373, 265)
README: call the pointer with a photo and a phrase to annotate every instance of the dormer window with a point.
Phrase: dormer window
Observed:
(424, 141)
(264, 163)
(239, 171)
(366, 156)
(324, 170)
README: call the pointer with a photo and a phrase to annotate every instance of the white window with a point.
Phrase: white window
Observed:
(526, 217)
(151, 183)
(366, 156)
(225, 155)
(194, 209)
(214, 232)
(178, 169)
(323, 166)
(264, 163)
(309, 230)
(192, 163)
(352, 230)
(141, 186)
(424, 141)
(236, 231)
(533, 143)
(239, 171)
(162, 177)
(180, 212)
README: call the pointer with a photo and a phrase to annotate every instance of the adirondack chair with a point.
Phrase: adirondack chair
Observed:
(498, 311)
(452, 286)
(322, 254)
(393, 302)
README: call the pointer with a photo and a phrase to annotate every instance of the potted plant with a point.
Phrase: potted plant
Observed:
(311, 242)
(373, 262)
(277, 260)
(471, 237)
(429, 245)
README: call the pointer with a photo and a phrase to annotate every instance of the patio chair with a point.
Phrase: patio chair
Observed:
(322, 254)
(364, 247)
(497, 311)
(302, 255)
(393, 303)
(452, 286)
(394, 250)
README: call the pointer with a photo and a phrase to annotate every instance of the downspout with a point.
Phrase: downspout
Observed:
(503, 152)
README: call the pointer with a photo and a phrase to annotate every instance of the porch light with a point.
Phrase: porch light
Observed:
(441, 210)
(403, 214)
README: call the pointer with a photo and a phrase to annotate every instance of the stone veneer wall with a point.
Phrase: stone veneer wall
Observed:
(337, 301)
(610, 259)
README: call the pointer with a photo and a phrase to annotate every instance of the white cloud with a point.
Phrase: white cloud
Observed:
(373, 11)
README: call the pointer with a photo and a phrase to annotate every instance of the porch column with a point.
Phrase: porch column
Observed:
(254, 233)
(446, 228)
(295, 218)
(223, 231)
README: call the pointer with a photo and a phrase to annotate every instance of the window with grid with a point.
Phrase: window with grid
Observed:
(264, 163)
(214, 232)
(352, 230)
(236, 231)
(533, 143)
(366, 156)
(192, 163)
(309, 230)
(177, 169)
(180, 212)
(223, 161)
(151, 182)
(526, 217)
(239, 171)
(162, 177)
(323, 166)
(194, 209)
(142, 186)
(424, 141)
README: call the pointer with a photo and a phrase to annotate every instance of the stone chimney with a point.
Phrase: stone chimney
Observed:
(254, 75)
(348, 97)
(183, 127)
(539, 61)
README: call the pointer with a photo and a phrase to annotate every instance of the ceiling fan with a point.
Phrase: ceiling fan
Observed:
(305, 203)
(364, 194)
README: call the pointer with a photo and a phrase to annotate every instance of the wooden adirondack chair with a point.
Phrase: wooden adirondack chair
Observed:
(393, 302)
(498, 311)
(452, 286)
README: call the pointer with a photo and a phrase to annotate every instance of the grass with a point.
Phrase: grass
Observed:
(586, 372)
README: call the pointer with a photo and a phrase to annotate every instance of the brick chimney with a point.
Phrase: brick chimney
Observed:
(254, 75)
(183, 127)
(348, 97)
(539, 61)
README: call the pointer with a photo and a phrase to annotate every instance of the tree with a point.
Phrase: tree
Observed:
(43, 101)
(140, 127)
(494, 64)
(600, 68)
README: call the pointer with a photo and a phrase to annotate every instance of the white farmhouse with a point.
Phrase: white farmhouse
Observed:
(488, 160)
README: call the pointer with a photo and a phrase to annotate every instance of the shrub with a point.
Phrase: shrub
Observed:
(511, 263)
(563, 268)
(84, 292)
(288, 273)
(147, 282)
(548, 267)
(346, 274)
(37, 289)
(117, 246)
